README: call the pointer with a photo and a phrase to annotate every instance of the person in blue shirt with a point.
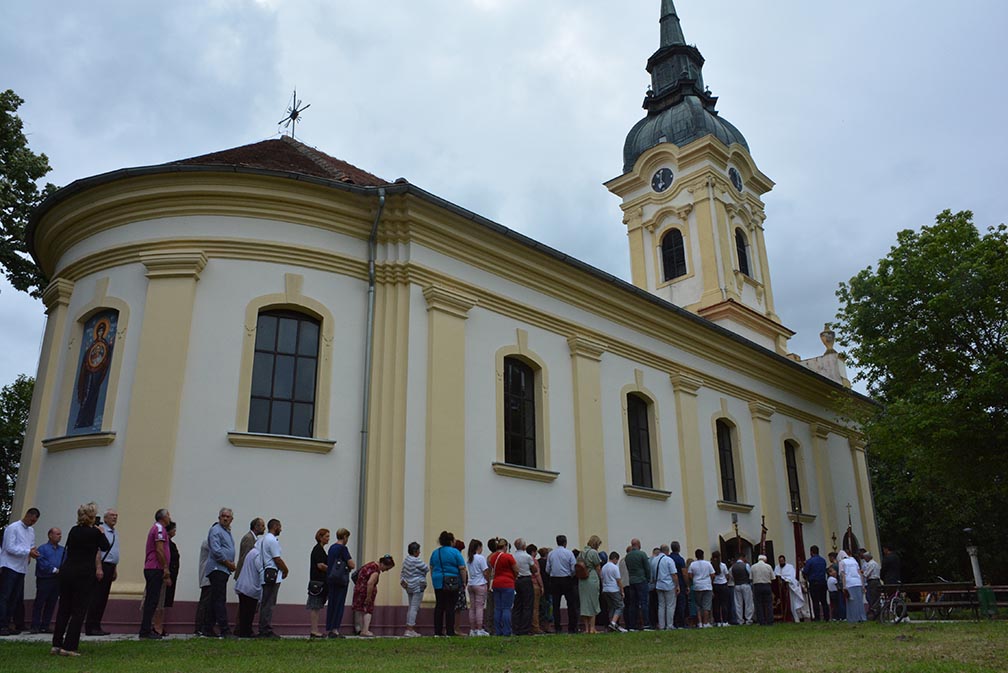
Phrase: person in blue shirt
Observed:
(815, 573)
(47, 569)
(448, 576)
(219, 566)
(682, 601)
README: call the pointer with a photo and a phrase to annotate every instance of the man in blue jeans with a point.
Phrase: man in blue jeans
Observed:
(638, 568)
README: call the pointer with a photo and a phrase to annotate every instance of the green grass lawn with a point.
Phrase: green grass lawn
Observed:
(808, 648)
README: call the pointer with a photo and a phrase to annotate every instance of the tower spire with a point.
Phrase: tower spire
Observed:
(671, 29)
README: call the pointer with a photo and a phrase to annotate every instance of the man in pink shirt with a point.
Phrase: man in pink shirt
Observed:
(156, 571)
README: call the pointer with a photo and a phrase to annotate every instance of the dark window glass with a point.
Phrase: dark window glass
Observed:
(742, 248)
(519, 413)
(673, 254)
(727, 460)
(640, 441)
(284, 371)
(794, 490)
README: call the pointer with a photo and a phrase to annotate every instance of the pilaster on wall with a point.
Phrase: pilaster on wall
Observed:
(691, 462)
(865, 505)
(770, 493)
(155, 403)
(586, 356)
(447, 311)
(386, 466)
(827, 499)
(56, 298)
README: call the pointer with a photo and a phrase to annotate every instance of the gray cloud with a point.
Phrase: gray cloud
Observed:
(871, 117)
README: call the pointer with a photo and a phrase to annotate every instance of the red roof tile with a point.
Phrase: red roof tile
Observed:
(289, 155)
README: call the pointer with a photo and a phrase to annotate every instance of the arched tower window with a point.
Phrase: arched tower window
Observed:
(519, 413)
(639, 429)
(284, 374)
(794, 488)
(673, 254)
(742, 248)
(726, 459)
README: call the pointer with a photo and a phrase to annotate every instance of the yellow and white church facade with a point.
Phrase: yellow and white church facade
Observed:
(273, 330)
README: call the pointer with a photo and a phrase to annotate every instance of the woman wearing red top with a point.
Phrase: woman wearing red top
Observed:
(365, 590)
(503, 569)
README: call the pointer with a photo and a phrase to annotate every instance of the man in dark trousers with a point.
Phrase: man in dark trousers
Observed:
(815, 573)
(560, 568)
(110, 564)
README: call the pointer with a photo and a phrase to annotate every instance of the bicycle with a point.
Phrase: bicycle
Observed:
(890, 608)
(934, 598)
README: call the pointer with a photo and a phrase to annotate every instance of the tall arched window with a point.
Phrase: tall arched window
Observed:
(726, 458)
(742, 248)
(519, 413)
(638, 426)
(673, 254)
(284, 373)
(794, 489)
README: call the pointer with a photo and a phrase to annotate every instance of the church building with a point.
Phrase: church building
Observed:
(274, 330)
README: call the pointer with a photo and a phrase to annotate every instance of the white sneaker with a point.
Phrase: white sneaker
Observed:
(410, 633)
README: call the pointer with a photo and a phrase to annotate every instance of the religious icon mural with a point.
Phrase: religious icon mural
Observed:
(88, 405)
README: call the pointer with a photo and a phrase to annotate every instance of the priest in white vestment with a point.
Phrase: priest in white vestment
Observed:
(789, 577)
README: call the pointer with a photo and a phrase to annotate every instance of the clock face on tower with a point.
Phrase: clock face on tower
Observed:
(735, 178)
(662, 180)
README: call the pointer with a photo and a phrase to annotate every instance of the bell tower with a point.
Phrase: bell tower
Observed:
(692, 200)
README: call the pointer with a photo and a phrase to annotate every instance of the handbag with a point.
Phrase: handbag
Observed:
(338, 574)
(316, 587)
(448, 582)
(580, 570)
(269, 574)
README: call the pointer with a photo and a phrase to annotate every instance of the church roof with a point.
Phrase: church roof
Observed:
(680, 109)
(289, 156)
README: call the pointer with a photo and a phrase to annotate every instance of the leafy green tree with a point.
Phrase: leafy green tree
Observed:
(15, 402)
(928, 329)
(20, 171)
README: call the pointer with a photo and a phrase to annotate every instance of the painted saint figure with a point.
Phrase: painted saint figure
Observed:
(91, 377)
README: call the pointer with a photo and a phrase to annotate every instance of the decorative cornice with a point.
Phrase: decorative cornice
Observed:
(644, 492)
(584, 347)
(174, 263)
(256, 440)
(684, 383)
(857, 443)
(69, 442)
(735, 506)
(803, 517)
(761, 411)
(57, 293)
(448, 300)
(519, 472)
(820, 431)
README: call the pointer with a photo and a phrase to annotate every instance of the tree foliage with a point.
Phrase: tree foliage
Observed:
(20, 171)
(15, 402)
(928, 329)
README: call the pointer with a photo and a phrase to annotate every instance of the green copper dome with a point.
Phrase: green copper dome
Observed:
(680, 109)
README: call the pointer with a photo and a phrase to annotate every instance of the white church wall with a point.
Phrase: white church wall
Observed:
(414, 482)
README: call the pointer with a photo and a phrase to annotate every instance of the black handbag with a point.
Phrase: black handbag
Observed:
(448, 582)
(269, 574)
(316, 587)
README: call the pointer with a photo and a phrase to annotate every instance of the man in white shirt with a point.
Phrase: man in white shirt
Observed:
(110, 564)
(701, 572)
(612, 590)
(521, 619)
(666, 583)
(762, 575)
(789, 579)
(17, 550)
(873, 578)
(560, 568)
(269, 558)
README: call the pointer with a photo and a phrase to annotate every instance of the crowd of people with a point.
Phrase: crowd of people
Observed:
(518, 588)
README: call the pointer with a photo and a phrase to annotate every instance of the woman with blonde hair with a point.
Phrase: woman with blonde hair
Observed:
(318, 588)
(588, 587)
(79, 575)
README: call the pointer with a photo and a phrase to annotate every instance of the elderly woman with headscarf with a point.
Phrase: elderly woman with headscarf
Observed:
(853, 587)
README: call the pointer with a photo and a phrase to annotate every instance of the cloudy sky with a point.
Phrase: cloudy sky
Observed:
(870, 116)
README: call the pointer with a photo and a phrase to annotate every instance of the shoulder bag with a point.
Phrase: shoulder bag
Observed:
(338, 574)
(269, 574)
(448, 582)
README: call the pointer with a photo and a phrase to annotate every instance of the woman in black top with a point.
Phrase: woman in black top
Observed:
(79, 574)
(318, 588)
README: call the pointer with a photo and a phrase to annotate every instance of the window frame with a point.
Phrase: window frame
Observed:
(676, 249)
(542, 472)
(792, 469)
(639, 429)
(520, 430)
(298, 358)
(742, 248)
(724, 429)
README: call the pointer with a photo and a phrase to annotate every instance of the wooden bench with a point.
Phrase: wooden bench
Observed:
(947, 595)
